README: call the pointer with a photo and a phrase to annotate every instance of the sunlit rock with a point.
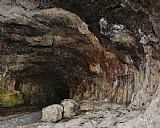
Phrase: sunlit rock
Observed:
(70, 107)
(52, 113)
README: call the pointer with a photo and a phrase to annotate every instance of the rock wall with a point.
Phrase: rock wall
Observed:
(48, 54)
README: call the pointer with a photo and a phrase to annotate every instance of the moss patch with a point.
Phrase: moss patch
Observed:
(10, 99)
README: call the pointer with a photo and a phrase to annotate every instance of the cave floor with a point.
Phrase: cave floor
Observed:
(8, 113)
(92, 114)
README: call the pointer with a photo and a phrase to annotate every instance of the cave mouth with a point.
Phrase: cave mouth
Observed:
(33, 93)
(42, 89)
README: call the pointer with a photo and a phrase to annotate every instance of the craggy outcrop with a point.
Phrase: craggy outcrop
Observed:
(49, 54)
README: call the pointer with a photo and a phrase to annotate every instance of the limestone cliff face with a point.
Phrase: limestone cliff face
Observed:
(48, 54)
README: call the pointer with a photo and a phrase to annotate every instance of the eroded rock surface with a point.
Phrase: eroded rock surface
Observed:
(149, 119)
(49, 54)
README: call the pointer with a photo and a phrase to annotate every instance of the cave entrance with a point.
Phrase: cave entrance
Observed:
(43, 89)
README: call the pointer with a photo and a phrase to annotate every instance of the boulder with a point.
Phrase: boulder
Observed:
(70, 107)
(52, 113)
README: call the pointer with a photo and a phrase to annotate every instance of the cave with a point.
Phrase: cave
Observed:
(43, 89)
(57, 55)
(48, 77)
(96, 52)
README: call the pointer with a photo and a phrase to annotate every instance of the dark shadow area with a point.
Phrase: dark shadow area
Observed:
(43, 89)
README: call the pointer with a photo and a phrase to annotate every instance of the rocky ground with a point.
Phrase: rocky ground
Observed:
(22, 119)
(92, 114)
(96, 114)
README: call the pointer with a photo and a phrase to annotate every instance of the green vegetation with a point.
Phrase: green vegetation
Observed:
(10, 99)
